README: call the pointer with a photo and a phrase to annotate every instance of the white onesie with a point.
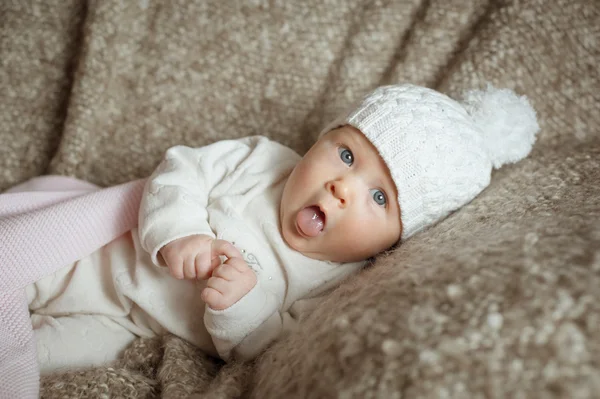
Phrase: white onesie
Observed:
(87, 313)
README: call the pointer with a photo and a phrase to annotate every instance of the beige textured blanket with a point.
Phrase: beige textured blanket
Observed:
(502, 299)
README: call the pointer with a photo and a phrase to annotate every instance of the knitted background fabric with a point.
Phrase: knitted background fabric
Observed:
(498, 300)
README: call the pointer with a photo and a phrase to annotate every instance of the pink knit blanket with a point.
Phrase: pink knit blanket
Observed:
(47, 223)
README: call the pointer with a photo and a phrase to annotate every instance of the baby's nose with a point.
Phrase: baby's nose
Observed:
(340, 191)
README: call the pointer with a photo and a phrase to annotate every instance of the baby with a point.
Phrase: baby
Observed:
(234, 235)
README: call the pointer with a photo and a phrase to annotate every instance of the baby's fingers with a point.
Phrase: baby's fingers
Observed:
(175, 265)
(177, 272)
(213, 298)
(215, 293)
(225, 248)
(189, 268)
(205, 265)
(226, 272)
(218, 284)
(238, 264)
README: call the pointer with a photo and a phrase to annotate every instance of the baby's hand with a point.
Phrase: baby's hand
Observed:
(228, 284)
(196, 256)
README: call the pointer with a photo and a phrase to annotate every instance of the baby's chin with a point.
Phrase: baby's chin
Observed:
(299, 244)
(321, 254)
(295, 242)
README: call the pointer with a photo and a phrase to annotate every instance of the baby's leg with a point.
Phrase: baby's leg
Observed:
(74, 341)
(48, 289)
(79, 317)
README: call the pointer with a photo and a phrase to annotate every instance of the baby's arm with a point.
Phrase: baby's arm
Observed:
(249, 326)
(176, 195)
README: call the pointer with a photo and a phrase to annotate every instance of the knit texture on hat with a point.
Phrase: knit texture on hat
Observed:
(440, 152)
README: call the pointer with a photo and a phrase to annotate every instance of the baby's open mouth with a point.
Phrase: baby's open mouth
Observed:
(310, 221)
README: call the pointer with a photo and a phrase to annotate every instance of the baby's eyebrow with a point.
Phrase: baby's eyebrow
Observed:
(382, 183)
(386, 183)
(354, 140)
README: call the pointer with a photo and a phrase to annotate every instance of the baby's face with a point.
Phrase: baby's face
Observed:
(340, 202)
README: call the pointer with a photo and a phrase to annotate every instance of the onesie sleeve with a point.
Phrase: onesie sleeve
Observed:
(249, 326)
(176, 195)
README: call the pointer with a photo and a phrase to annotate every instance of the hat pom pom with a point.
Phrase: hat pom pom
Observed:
(507, 120)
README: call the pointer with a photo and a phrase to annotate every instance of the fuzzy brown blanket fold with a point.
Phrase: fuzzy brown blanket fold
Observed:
(499, 300)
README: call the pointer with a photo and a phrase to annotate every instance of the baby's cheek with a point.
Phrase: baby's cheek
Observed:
(356, 238)
(365, 234)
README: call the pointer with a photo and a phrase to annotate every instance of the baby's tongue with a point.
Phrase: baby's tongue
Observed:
(311, 221)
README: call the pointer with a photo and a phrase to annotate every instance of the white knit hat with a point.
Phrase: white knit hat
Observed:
(440, 152)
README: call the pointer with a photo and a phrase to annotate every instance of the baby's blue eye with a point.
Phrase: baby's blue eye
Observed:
(346, 156)
(378, 196)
